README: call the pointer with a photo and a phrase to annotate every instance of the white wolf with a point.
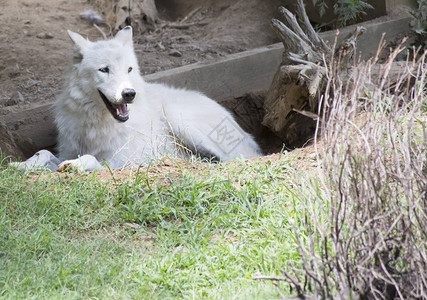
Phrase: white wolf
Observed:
(108, 113)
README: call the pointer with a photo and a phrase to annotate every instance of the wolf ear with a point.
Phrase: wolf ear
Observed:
(80, 43)
(125, 35)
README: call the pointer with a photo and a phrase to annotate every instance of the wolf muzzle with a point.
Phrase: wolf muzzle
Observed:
(119, 111)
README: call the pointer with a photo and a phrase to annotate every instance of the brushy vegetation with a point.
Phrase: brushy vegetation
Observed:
(347, 12)
(368, 240)
(419, 18)
(353, 225)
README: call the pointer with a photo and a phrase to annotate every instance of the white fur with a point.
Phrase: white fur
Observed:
(161, 121)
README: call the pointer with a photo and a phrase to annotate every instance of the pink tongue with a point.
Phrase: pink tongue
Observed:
(123, 109)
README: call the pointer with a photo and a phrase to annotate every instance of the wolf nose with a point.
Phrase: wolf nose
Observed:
(128, 95)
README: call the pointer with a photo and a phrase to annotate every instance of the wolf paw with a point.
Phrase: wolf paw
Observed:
(73, 165)
(81, 164)
(43, 159)
(65, 166)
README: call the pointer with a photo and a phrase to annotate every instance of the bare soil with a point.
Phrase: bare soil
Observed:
(35, 48)
(164, 172)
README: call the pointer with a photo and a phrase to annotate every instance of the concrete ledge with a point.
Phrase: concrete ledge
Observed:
(230, 77)
(226, 79)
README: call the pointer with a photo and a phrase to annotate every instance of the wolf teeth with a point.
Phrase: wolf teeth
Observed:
(120, 114)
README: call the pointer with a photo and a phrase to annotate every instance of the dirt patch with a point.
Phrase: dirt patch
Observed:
(35, 43)
(162, 172)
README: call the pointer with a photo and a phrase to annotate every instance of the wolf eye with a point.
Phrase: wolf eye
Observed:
(130, 69)
(104, 70)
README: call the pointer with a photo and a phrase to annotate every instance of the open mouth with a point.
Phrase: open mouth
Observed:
(120, 112)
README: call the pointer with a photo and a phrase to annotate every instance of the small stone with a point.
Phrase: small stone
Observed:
(44, 36)
(175, 53)
(91, 16)
(21, 99)
(133, 226)
(161, 47)
(149, 38)
(197, 47)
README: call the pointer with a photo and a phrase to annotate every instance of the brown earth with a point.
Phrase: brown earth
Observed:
(164, 172)
(35, 48)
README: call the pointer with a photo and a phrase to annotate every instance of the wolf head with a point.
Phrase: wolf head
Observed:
(109, 69)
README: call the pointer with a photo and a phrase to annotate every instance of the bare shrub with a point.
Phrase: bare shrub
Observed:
(373, 243)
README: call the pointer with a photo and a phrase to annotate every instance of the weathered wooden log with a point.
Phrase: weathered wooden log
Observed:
(291, 103)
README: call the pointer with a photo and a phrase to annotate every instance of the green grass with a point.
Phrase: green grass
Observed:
(204, 235)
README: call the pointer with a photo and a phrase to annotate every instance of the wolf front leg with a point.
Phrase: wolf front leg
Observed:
(43, 159)
(86, 162)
